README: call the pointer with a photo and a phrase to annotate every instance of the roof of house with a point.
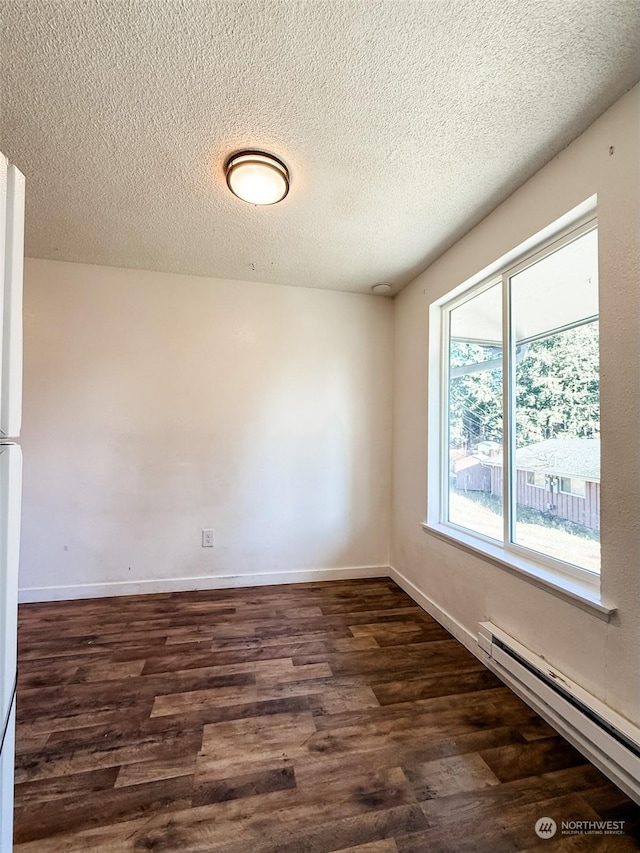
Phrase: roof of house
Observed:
(563, 457)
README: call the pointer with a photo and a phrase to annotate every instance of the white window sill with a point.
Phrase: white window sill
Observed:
(574, 589)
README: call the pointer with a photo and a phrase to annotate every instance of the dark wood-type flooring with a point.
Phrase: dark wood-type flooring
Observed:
(294, 719)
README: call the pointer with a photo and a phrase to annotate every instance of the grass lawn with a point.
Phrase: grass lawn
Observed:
(482, 513)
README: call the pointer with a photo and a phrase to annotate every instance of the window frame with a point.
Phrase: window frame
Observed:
(533, 484)
(573, 480)
(581, 581)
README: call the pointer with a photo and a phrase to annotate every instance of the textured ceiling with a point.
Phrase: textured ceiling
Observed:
(403, 123)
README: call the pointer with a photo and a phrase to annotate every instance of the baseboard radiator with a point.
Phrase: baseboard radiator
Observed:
(608, 740)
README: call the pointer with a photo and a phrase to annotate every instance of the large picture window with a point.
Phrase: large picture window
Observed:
(521, 406)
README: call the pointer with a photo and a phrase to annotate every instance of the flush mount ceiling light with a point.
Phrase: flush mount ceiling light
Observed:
(382, 288)
(257, 177)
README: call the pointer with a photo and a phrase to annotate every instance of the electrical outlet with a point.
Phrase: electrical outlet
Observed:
(207, 538)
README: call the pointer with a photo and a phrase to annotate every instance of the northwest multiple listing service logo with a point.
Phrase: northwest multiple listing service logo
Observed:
(546, 827)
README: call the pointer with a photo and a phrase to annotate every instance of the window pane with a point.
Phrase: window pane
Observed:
(579, 488)
(537, 480)
(557, 405)
(475, 413)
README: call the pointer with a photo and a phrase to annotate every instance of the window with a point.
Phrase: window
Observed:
(537, 480)
(520, 406)
(571, 486)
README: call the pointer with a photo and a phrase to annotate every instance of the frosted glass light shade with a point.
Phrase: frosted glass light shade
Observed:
(257, 178)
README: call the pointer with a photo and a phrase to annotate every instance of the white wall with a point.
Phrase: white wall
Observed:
(157, 405)
(601, 657)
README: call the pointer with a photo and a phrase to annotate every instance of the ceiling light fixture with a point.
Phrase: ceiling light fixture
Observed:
(382, 288)
(257, 177)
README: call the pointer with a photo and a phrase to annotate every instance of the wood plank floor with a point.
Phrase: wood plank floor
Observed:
(293, 719)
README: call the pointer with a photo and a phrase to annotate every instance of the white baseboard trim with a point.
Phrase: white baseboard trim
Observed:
(455, 628)
(30, 595)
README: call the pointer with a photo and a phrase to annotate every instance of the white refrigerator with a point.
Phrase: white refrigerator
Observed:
(11, 265)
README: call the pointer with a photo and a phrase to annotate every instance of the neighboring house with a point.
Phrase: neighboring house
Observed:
(474, 473)
(559, 476)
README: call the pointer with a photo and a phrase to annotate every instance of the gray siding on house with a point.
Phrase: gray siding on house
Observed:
(474, 478)
(584, 511)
